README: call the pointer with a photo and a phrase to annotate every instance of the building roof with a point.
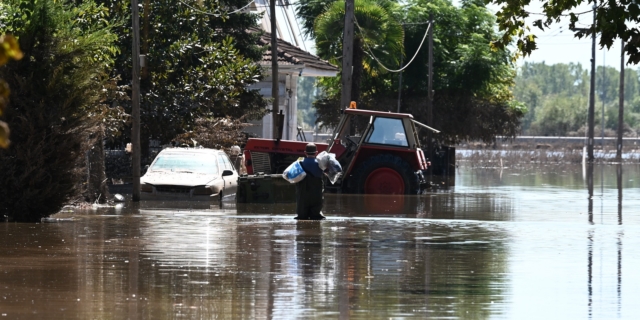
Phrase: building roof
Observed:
(296, 58)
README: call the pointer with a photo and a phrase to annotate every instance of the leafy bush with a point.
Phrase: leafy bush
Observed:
(197, 64)
(56, 88)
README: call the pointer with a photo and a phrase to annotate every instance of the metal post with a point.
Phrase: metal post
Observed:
(135, 100)
(347, 54)
(621, 105)
(274, 71)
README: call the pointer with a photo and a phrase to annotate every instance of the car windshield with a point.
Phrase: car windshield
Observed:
(186, 163)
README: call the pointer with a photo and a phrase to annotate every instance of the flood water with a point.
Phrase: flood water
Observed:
(501, 244)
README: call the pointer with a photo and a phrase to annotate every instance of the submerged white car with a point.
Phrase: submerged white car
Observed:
(189, 174)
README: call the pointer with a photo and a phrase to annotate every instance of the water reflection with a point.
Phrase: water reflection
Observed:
(590, 273)
(592, 233)
(590, 190)
(156, 263)
(619, 183)
(510, 246)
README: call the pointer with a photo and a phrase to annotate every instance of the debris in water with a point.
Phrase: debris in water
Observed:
(54, 220)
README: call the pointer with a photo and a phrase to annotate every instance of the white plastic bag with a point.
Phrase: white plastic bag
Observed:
(331, 167)
(294, 172)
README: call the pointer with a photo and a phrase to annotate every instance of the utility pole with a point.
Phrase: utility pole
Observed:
(274, 71)
(621, 105)
(430, 94)
(591, 115)
(591, 112)
(430, 75)
(347, 54)
(604, 96)
(400, 85)
(135, 100)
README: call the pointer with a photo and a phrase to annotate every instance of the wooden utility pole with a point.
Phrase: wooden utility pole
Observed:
(274, 71)
(430, 75)
(400, 85)
(621, 105)
(592, 100)
(430, 94)
(144, 68)
(347, 54)
(135, 100)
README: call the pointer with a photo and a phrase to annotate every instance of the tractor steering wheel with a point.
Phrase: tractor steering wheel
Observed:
(350, 143)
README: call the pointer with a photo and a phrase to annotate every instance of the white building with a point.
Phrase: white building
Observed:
(293, 62)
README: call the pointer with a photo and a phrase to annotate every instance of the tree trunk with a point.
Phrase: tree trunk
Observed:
(97, 190)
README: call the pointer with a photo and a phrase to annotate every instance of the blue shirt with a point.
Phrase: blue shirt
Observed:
(310, 165)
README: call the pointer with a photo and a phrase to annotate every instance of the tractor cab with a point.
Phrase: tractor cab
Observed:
(379, 152)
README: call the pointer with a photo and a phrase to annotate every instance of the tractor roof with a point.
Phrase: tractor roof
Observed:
(362, 112)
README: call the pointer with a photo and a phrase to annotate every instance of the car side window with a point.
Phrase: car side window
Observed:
(388, 131)
(227, 162)
(221, 163)
(224, 162)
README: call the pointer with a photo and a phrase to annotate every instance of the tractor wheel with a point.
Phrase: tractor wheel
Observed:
(386, 174)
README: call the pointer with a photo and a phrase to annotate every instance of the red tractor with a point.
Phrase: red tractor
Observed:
(379, 153)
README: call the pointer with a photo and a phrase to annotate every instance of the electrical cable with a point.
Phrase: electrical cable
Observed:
(380, 62)
(562, 15)
(236, 11)
(414, 23)
(215, 14)
(288, 25)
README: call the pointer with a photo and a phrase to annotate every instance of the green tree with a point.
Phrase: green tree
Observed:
(538, 82)
(555, 95)
(377, 34)
(200, 60)
(472, 83)
(615, 19)
(68, 51)
(560, 115)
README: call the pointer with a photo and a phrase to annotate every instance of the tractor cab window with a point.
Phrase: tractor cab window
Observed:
(351, 133)
(387, 131)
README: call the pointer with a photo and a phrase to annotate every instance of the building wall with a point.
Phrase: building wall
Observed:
(288, 103)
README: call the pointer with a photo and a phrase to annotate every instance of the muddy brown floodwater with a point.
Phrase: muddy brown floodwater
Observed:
(504, 244)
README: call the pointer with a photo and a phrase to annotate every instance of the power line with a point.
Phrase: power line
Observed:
(215, 14)
(562, 15)
(232, 12)
(380, 62)
(414, 23)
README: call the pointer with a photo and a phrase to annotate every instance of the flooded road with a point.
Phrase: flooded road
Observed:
(501, 244)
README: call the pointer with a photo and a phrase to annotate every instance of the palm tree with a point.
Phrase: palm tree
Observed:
(377, 35)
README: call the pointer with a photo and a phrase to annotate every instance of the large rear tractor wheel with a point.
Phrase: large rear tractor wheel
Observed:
(385, 174)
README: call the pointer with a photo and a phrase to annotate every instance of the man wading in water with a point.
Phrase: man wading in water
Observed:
(310, 191)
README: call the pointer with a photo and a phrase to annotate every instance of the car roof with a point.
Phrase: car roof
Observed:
(190, 151)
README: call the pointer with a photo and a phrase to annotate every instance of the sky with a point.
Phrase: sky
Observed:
(558, 44)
